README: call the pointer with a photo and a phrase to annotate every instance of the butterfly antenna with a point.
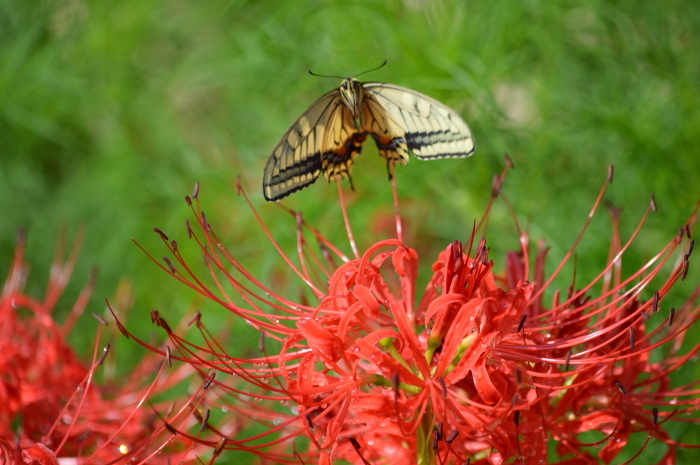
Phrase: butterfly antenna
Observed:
(340, 77)
(323, 75)
(373, 69)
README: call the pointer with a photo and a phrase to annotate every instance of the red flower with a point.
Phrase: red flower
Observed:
(473, 368)
(51, 408)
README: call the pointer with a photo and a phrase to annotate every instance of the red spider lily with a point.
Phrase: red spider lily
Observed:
(52, 410)
(477, 369)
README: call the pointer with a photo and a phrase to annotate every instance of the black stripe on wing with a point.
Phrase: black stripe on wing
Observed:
(427, 139)
(419, 140)
(392, 145)
(309, 167)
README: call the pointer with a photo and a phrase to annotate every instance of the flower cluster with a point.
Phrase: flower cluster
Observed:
(475, 368)
(53, 408)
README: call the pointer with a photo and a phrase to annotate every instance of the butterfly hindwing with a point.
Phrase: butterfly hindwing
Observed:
(429, 129)
(388, 135)
(343, 143)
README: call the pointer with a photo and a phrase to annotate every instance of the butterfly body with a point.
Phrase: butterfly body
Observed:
(329, 135)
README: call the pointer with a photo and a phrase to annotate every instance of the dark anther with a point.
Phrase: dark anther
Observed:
(395, 383)
(161, 233)
(653, 204)
(452, 437)
(220, 446)
(209, 380)
(436, 439)
(189, 229)
(155, 318)
(438, 428)
(205, 421)
(173, 246)
(356, 446)
(195, 192)
(679, 235)
(686, 264)
(568, 359)
(167, 357)
(516, 417)
(82, 437)
(170, 265)
(621, 387)
(105, 351)
(100, 319)
(691, 244)
(611, 171)
(444, 387)
(655, 304)
(261, 342)
(309, 421)
(670, 316)
(631, 338)
(522, 323)
(654, 416)
(188, 200)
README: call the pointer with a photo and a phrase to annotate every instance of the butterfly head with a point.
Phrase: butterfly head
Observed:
(351, 92)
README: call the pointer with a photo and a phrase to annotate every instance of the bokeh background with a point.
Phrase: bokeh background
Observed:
(110, 111)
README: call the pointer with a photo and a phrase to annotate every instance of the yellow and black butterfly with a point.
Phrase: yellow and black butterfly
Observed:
(329, 135)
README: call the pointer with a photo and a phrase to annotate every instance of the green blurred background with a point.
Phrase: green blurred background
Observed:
(109, 111)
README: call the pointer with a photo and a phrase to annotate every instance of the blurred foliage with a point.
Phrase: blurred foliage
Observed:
(109, 111)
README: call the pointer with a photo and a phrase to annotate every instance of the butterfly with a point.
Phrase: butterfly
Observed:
(328, 136)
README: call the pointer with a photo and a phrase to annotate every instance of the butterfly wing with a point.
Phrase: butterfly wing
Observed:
(404, 121)
(323, 139)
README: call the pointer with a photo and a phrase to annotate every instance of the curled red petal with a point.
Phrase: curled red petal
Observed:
(40, 454)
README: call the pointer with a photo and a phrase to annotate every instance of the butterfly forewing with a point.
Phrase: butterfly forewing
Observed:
(296, 160)
(430, 129)
(324, 139)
